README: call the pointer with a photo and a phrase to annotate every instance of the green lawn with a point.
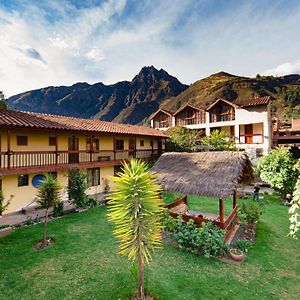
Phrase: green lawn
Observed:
(83, 264)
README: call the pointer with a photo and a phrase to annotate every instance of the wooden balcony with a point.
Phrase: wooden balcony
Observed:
(22, 162)
(222, 117)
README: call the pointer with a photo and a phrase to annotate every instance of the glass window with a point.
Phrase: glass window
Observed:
(95, 144)
(117, 170)
(119, 145)
(22, 140)
(142, 143)
(52, 140)
(93, 177)
(22, 180)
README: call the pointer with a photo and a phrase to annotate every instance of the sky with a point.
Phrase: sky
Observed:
(61, 42)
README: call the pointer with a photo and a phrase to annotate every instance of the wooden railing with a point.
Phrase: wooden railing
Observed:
(190, 121)
(27, 159)
(221, 117)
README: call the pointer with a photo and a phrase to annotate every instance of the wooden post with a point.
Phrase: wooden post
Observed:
(234, 204)
(8, 148)
(114, 147)
(56, 148)
(91, 147)
(221, 210)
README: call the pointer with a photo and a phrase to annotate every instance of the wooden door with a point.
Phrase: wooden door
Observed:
(159, 148)
(249, 134)
(73, 146)
(132, 147)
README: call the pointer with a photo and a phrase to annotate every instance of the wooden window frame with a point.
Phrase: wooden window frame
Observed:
(22, 140)
(52, 140)
(23, 180)
(142, 143)
(117, 145)
(92, 179)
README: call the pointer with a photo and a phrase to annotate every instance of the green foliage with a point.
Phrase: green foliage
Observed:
(207, 239)
(294, 219)
(4, 226)
(250, 211)
(169, 224)
(135, 209)
(279, 169)
(58, 209)
(182, 139)
(3, 104)
(243, 245)
(4, 205)
(218, 141)
(77, 188)
(291, 97)
(91, 202)
(48, 192)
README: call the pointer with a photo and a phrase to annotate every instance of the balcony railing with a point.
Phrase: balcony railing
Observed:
(221, 117)
(28, 159)
(190, 121)
(251, 138)
(162, 124)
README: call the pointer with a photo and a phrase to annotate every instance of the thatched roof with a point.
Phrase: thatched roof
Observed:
(214, 174)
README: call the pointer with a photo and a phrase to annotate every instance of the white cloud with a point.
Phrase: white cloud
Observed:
(95, 55)
(90, 45)
(284, 69)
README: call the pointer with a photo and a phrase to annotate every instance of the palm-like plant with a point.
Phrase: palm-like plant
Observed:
(135, 207)
(48, 195)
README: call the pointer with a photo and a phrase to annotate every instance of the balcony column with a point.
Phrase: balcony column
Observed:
(56, 148)
(8, 148)
(151, 123)
(91, 147)
(237, 133)
(114, 147)
(173, 123)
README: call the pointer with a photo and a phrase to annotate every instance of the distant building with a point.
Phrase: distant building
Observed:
(248, 123)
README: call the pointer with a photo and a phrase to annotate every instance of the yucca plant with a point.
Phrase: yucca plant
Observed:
(48, 195)
(135, 207)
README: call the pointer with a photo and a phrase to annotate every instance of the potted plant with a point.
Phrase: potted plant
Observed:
(236, 254)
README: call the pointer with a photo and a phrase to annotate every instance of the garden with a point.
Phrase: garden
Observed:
(83, 262)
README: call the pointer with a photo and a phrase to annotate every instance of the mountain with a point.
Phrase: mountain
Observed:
(284, 90)
(123, 102)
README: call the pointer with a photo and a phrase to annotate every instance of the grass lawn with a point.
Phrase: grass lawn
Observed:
(83, 264)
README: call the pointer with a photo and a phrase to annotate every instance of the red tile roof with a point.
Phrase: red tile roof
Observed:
(255, 101)
(11, 118)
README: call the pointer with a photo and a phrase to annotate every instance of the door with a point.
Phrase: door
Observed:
(249, 134)
(159, 148)
(73, 146)
(132, 148)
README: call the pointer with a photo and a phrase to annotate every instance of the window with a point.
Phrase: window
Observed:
(53, 174)
(117, 169)
(151, 144)
(52, 140)
(22, 180)
(93, 177)
(22, 140)
(119, 145)
(142, 143)
(95, 144)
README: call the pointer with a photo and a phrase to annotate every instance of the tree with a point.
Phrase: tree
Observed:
(48, 195)
(183, 139)
(279, 170)
(135, 207)
(218, 141)
(77, 188)
(295, 223)
(3, 104)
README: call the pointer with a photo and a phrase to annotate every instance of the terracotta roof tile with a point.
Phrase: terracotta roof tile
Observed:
(255, 101)
(36, 120)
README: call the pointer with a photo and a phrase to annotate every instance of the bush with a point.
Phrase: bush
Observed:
(279, 169)
(250, 211)
(169, 223)
(208, 239)
(58, 209)
(243, 245)
(77, 188)
(218, 141)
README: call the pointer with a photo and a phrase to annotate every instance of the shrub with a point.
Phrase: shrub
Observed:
(243, 245)
(3, 205)
(169, 223)
(279, 169)
(218, 141)
(250, 211)
(208, 238)
(58, 209)
(77, 188)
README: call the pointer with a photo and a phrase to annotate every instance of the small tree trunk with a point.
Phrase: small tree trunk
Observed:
(141, 293)
(45, 228)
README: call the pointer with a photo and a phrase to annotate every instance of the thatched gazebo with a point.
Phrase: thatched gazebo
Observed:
(213, 174)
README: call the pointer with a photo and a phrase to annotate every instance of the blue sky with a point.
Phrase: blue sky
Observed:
(60, 42)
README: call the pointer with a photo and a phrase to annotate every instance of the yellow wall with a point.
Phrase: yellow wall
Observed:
(25, 195)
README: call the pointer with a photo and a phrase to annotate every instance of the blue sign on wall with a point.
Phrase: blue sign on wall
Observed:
(37, 180)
